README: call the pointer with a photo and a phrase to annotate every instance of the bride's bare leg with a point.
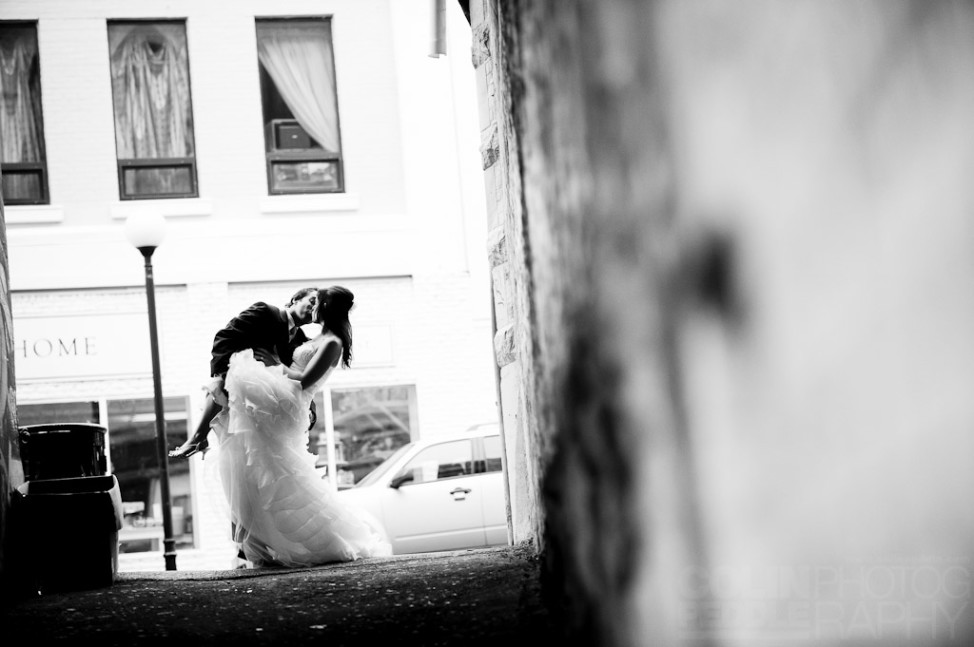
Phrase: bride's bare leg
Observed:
(198, 442)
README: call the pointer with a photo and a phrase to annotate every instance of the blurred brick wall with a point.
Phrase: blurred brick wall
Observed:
(733, 242)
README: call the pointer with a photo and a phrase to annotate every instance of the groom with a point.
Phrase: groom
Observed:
(273, 334)
(263, 326)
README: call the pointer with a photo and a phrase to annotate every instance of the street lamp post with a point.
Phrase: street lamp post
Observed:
(146, 233)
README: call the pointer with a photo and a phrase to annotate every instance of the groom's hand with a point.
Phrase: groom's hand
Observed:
(267, 357)
(312, 415)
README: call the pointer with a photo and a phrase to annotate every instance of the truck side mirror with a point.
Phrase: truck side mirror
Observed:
(399, 480)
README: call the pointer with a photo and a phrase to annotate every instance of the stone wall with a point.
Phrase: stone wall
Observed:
(495, 51)
(11, 468)
(733, 246)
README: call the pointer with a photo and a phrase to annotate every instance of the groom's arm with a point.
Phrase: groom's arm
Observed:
(252, 328)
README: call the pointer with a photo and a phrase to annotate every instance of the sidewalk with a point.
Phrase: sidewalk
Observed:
(478, 597)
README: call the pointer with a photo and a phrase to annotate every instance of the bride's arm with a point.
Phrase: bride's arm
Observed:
(325, 357)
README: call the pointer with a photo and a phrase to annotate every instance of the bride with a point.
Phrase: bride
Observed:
(282, 512)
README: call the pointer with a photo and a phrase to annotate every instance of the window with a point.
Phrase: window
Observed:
(23, 161)
(442, 461)
(493, 461)
(153, 114)
(300, 106)
(369, 425)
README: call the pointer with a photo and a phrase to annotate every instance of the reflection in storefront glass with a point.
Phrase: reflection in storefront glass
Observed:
(42, 414)
(135, 463)
(370, 424)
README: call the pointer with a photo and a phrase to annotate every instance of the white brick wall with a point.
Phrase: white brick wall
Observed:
(77, 99)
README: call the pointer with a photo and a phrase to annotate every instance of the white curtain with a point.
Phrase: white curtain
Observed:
(150, 88)
(298, 58)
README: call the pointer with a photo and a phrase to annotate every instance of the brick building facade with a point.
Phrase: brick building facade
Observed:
(399, 218)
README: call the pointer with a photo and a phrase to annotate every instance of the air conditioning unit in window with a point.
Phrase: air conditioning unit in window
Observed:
(287, 134)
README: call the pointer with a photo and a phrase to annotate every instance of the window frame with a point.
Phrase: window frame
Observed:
(274, 157)
(124, 165)
(23, 168)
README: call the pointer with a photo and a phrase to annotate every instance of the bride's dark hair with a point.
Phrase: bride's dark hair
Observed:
(333, 305)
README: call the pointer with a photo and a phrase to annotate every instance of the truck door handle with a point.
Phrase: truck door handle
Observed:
(461, 491)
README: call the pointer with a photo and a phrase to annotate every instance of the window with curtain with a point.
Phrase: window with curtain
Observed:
(300, 106)
(153, 112)
(23, 161)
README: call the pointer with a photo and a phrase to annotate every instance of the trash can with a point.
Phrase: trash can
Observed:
(68, 532)
(62, 450)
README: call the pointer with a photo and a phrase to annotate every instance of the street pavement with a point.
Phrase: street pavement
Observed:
(489, 596)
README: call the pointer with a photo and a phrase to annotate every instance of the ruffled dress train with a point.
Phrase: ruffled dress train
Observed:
(281, 511)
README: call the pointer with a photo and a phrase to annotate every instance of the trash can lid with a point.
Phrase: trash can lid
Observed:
(72, 485)
(61, 426)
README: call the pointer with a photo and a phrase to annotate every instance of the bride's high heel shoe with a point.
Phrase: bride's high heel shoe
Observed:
(189, 449)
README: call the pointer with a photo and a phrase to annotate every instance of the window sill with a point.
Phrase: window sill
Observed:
(169, 207)
(308, 203)
(32, 214)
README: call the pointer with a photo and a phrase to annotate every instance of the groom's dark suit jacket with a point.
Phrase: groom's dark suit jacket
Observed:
(259, 326)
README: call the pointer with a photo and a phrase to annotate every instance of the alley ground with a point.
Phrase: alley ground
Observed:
(470, 598)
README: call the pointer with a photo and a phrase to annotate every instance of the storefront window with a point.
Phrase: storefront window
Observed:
(135, 463)
(134, 460)
(367, 426)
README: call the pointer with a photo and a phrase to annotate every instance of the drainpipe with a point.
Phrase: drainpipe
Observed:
(438, 32)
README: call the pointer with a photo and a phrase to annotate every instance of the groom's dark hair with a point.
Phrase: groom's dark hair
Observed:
(300, 294)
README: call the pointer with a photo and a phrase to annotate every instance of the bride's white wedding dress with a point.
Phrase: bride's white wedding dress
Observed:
(283, 513)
